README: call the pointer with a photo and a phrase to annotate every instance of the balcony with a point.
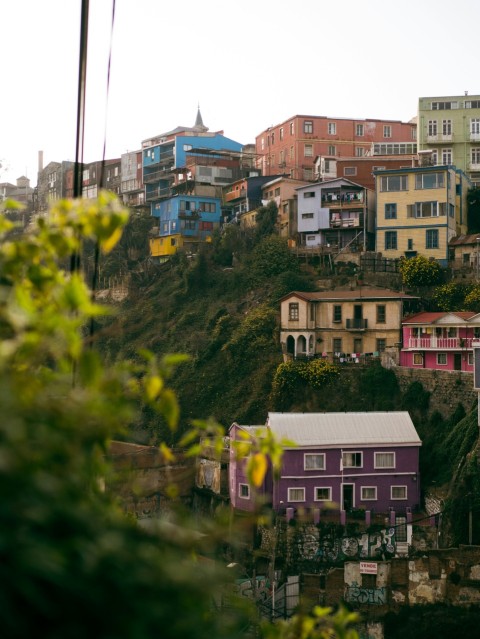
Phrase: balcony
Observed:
(156, 176)
(356, 324)
(475, 137)
(346, 223)
(440, 138)
(439, 343)
(235, 195)
(342, 199)
(474, 166)
(157, 194)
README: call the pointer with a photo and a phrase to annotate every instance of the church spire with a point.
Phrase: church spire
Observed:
(199, 122)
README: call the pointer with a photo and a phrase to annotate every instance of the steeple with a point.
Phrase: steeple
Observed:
(199, 126)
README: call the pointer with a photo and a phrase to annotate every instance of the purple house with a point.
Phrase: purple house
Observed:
(441, 341)
(342, 461)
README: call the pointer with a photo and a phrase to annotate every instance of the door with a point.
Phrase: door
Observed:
(457, 361)
(348, 501)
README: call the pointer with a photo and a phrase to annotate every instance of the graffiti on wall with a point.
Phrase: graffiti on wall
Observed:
(328, 548)
(356, 594)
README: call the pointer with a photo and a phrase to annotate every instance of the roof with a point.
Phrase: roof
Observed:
(345, 429)
(460, 240)
(361, 293)
(431, 318)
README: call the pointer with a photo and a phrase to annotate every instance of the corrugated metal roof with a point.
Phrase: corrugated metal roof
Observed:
(357, 294)
(342, 429)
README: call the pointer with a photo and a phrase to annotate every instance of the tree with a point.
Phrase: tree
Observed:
(266, 220)
(451, 296)
(472, 299)
(71, 563)
(420, 271)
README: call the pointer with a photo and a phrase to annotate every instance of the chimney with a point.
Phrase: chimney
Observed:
(40, 161)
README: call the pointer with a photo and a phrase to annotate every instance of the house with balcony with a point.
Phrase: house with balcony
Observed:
(346, 326)
(440, 341)
(335, 461)
(132, 188)
(283, 191)
(183, 187)
(419, 210)
(336, 213)
(449, 126)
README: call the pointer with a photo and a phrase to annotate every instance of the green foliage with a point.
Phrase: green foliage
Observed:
(416, 398)
(472, 299)
(266, 220)
(451, 296)
(432, 621)
(378, 389)
(292, 375)
(271, 257)
(254, 334)
(420, 271)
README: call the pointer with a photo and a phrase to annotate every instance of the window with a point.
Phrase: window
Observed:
(393, 183)
(307, 216)
(337, 313)
(357, 345)
(434, 157)
(292, 128)
(409, 244)
(446, 156)
(296, 494)
(350, 170)
(273, 138)
(368, 493)
(390, 240)
(323, 494)
(332, 128)
(441, 359)
(394, 148)
(292, 153)
(359, 151)
(441, 106)
(308, 150)
(470, 359)
(425, 209)
(398, 492)
(384, 460)
(281, 133)
(332, 149)
(369, 582)
(308, 174)
(359, 129)
(431, 239)
(308, 126)
(418, 359)
(391, 211)
(387, 131)
(475, 156)
(309, 194)
(429, 180)
(312, 312)
(401, 528)
(381, 344)
(472, 104)
(337, 344)
(352, 460)
(293, 311)
(432, 127)
(244, 491)
(475, 126)
(446, 127)
(381, 313)
(314, 461)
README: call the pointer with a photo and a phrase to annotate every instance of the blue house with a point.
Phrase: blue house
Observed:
(184, 171)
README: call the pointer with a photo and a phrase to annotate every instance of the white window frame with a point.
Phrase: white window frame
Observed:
(240, 486)
(446, 127)
(360, 130)
(384, 452)
(392, 489)
(418, 356)
(359, 151)
(475, 126)
(308, 151)
(432, 127)
(317, 498)
(352, 452)
(332, 149)
(310, 455)
(296, 488)
(442, 355)
(470, 358)
(475, 155)
(362, 495)
(332, 128)
(446, 156)
(387, 131)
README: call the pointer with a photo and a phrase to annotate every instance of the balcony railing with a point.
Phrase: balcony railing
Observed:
(439, 343)
(357, 323)
(155, 176)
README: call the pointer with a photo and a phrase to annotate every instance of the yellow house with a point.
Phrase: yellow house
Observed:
(342, 325)
(165, 246)
(419, 210)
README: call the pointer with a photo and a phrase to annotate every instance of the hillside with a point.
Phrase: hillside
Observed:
(221, 309)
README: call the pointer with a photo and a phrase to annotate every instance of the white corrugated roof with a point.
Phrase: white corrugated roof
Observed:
(344, 429)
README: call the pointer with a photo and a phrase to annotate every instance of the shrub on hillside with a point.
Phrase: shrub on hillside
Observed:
(420, 271)
(451, 296)
(271, 257)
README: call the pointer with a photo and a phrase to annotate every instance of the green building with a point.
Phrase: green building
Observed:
(448, 132)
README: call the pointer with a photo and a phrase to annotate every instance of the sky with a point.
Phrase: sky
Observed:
(248, 65)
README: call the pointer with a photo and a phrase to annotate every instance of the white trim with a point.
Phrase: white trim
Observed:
(398, 498)
(240, 486)
(351, 452)
(296, 500)
(329, 488)
(362, 498)
(384, 452)
(305, 455)
(372, 474)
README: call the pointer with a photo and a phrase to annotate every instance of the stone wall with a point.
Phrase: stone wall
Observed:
(447, 388)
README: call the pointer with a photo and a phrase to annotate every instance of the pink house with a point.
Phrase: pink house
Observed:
(441, 341)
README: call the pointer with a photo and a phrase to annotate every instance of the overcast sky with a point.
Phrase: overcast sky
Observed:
(249, 64)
